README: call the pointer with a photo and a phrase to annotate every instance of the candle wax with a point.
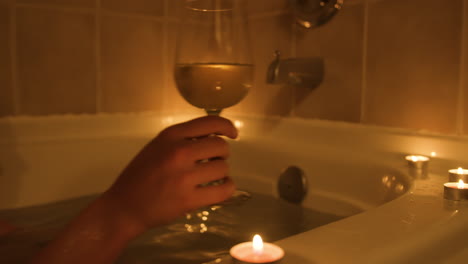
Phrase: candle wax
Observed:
(416, 158)
(454, 185)
(245, 252)
(459, 171)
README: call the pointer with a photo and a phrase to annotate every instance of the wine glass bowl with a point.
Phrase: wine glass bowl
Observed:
(213, 62)
(213, 86)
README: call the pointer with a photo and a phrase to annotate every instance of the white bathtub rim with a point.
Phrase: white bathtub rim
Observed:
(419, 210)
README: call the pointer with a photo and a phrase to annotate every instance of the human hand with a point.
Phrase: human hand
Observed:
(160, 184)
(163, 181)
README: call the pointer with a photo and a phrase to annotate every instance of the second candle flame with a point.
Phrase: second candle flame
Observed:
(257, 244)
(461, 184)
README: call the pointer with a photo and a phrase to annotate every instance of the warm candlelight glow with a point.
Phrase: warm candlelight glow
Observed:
(238, 124)
(460, 170)
(461, 184)
(256, 251)
(257, 244)
(456, 191)
(433, 154)
(416, 158)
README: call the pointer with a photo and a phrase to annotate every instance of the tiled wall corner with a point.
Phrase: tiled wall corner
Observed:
(339, 43)
(6, 89)
(413, 64)
(131, 64)
(56, 63)
(65, 3)
(268, 34)
(144, 7)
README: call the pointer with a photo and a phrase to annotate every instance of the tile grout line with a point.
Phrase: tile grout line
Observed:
(165, 59)
(293, 50)
(461, 84)
(365, 32)
(14, 60)
(97, 54)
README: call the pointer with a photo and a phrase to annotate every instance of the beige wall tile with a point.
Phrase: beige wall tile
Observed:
(339, 43)
(174, 7)
(264, 6)
(6, 89)
(147, 7)
(267, 35)
(132, 65)
(71, 3)
(413, 64)
(56, 64)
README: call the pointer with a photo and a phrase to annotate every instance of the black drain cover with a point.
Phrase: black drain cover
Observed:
(292, 185)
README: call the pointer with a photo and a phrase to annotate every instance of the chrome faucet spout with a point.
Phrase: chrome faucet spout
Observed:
(304, 72)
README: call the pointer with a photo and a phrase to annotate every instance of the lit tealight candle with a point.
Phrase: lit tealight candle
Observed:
(456, 191)
(418, 165)
(256, 252)
(458, 174)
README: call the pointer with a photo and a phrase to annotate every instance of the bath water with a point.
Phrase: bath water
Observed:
(199, 237)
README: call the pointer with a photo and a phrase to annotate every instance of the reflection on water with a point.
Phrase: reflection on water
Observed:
(200, 237)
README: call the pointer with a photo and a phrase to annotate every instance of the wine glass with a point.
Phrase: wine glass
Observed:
(213, 62)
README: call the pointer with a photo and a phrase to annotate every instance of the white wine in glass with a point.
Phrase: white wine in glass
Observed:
(213, 63)
(213, 86)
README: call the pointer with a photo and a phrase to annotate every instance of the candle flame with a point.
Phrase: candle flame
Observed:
(238, 124)
(257, 244)
(461, 184)
(460, 170)
(416, 158)
(433, 154)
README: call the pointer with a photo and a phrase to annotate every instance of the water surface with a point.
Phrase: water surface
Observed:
(201, 236)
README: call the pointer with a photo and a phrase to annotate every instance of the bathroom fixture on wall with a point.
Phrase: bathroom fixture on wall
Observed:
(314, 13)
(292, 185)
(300, 72)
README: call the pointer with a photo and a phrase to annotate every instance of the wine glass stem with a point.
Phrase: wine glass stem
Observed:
(213, 112)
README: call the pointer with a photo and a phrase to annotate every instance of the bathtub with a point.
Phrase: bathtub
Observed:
(352, 170)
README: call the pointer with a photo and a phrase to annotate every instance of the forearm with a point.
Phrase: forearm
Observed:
(97, 235)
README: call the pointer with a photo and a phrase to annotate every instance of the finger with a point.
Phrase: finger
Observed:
(209, 195)
(208, 147)
(209, 171)
(202, 127)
